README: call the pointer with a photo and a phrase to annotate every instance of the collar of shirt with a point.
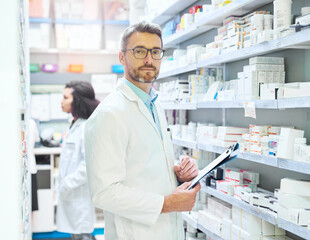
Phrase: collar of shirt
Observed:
(147, 99)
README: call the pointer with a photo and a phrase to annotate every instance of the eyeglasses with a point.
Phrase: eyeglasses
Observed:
(141, 52)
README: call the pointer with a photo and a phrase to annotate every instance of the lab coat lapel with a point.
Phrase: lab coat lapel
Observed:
(126, 91)
(163, 127)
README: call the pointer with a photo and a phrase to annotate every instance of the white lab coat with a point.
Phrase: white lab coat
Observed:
(130, 169)
(75, 212)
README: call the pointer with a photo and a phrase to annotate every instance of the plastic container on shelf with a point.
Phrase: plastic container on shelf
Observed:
(76, 68)
(117, 68)
(39, 8)
(39, 35)
(34, 67)
(49, 67)
(282, 15)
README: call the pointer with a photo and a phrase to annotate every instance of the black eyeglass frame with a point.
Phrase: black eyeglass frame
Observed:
(147, 52)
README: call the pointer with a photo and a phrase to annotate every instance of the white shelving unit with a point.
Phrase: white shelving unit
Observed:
(213, 20)
(280, 104)
(298, 230)
(299, 40)
(209, 233)
(301, 167)
(185, 143)
(173, 8)
(302, 102)
(261, 213)
(193, 222)
(179, 106)
(177, 71)
(189, 219)
(69, 51)
(296, 40)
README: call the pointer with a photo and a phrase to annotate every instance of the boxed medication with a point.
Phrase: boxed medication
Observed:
(269, 91)
(286, 143)
(299, 216)
(244, 235)
(235, 232)
(226, 229)
(237, 216)
(251, 223)
(295, 186)
(250, 177)
(268, 229)
(288, 200)
(263, 67)
(226, 187)
(234, 176)
(266, 60)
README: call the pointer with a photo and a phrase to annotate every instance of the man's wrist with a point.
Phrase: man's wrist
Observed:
(167, 206)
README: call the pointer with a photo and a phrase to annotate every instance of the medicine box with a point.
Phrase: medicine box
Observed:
(266, 60)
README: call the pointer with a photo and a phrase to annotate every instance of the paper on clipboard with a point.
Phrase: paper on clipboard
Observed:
(225, 157)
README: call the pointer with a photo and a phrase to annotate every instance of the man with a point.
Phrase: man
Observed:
(129, 153)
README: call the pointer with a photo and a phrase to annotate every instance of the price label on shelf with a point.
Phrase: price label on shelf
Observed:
(249, 109)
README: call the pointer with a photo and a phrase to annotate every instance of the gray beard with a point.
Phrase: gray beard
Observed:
(140, 80)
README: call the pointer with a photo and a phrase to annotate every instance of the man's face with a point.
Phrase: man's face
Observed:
(141, 70)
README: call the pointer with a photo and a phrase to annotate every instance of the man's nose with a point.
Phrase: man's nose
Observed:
(148, 59)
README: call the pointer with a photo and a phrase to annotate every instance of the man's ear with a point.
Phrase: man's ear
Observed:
(121, 57)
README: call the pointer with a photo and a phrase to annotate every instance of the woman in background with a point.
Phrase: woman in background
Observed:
(75, 212)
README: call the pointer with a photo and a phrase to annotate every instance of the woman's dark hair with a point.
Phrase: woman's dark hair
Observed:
(84, 101)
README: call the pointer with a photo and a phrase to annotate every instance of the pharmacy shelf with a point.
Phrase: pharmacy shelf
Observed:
(46, 151)
(214, 19)
(192, 31)
(261, 213)
(299, 39)
(264, 104)
(57, 78)
(116, 22)
(260, 104)
(266, 160)
(178, 71)
(220, 104)
(184, 143)
(296, 40)
(71, 51)
(302, 102)
(291, 165)
(172, 9)
(210, 234)
(210, 148)
(179, 106)
(189, 219)
(236, 8)
(293, 228)
(77, 21)
(296, 166)
(40, 20)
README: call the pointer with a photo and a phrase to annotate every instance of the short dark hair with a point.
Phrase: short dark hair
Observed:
(142, 27)
(84, 101)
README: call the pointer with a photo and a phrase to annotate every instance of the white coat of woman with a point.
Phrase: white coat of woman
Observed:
(75, 212)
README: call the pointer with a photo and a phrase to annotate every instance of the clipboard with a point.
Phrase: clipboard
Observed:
(230, 154)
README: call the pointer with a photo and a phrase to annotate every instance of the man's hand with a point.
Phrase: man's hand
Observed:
(181, 200)
(186, 170)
